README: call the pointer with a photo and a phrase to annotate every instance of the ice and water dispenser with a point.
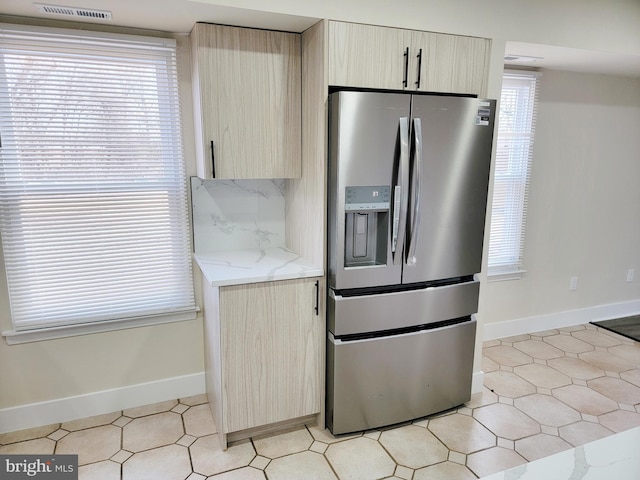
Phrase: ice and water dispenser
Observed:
(366, 225)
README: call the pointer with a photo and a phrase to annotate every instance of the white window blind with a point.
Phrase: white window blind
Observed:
(516, 128)
(93, 202)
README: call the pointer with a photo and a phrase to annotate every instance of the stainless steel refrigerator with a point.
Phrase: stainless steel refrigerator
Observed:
(408, 177)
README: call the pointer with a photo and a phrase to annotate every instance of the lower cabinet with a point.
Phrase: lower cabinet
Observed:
(264, 353)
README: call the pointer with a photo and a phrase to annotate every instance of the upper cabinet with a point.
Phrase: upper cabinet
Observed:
(456, 64)
(367, 56)
(247, 102)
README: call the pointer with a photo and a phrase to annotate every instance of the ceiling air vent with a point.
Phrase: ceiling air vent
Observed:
(510, 57)
(76, 12)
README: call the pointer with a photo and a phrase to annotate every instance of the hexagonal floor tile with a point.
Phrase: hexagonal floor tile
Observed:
(245, 473)
(486, 397)
(567, 343)
(538, 349)
(195, 400)
(37, 446)
(541, 445)
(508, 384)
(92, 445)
(542, 376)
(90, 422)
(547, 410)
(28, 434)
(506, 421)
(150, 409)
(307, 465)
(616, 389)
(198, 421)
(152, 431)
(462, 433)
(444, 470)
(171, 461)
(585, 400)
(575, 368)
(106, 470)
(489, 365)
(360, 459)
(632, 376)
(606, 361)
(493, 460)
(326, 436)
(620, 420)
(506, 355)
(597, 338)
(285, 443)
(414, 447)
(628, 352)
(209, 459)
(583, 432)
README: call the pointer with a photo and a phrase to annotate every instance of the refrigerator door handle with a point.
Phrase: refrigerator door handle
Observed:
(416, 186)
(401, 194)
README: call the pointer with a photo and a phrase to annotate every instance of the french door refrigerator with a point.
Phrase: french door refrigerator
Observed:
(408, 177)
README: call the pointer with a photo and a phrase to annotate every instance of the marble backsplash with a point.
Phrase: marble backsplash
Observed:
(237, 214)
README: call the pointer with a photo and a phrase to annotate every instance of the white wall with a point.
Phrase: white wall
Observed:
(78, 366)
(602, 25)
(584, 202)
(83, 365)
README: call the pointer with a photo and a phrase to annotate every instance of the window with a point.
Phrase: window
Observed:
(516, 126)
(93, 202)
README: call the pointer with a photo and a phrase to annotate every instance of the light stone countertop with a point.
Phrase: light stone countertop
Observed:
(616, 457)
(239, 267)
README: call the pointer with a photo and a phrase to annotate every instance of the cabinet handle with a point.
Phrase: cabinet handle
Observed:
(213, 161)
(419, 68)
(406, 67)
(317, 307)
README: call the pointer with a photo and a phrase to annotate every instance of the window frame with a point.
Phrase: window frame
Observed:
(512, 174)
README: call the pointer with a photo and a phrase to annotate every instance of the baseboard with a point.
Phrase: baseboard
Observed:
(567, 318)
(98, 403)
(477, 382)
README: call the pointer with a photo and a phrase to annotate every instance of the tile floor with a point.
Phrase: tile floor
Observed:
(544, 393)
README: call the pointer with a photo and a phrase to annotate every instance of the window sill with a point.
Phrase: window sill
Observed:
(505, 275)
(14, 337)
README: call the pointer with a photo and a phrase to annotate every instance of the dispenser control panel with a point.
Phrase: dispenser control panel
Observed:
(369, 198)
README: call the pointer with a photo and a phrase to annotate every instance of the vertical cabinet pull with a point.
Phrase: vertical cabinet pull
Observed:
(317, 307)
(419, 56)
(213, 161)
(406, 67)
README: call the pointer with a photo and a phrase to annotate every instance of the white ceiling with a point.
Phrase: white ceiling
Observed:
(170, 16)
(180, 15)
(572, 59)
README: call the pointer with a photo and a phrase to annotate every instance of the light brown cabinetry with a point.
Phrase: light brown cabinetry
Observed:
(247, 94)
(457, 64)
(264, 348)
(368, 56)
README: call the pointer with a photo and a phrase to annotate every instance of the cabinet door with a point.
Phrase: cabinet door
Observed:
(367, 56)
(272, 352)
(247, 97)
(454, 64)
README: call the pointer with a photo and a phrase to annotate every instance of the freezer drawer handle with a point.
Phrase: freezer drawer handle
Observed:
(417, 190)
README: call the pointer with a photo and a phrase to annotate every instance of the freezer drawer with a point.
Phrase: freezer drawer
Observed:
(387, 380)
(388, 311)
